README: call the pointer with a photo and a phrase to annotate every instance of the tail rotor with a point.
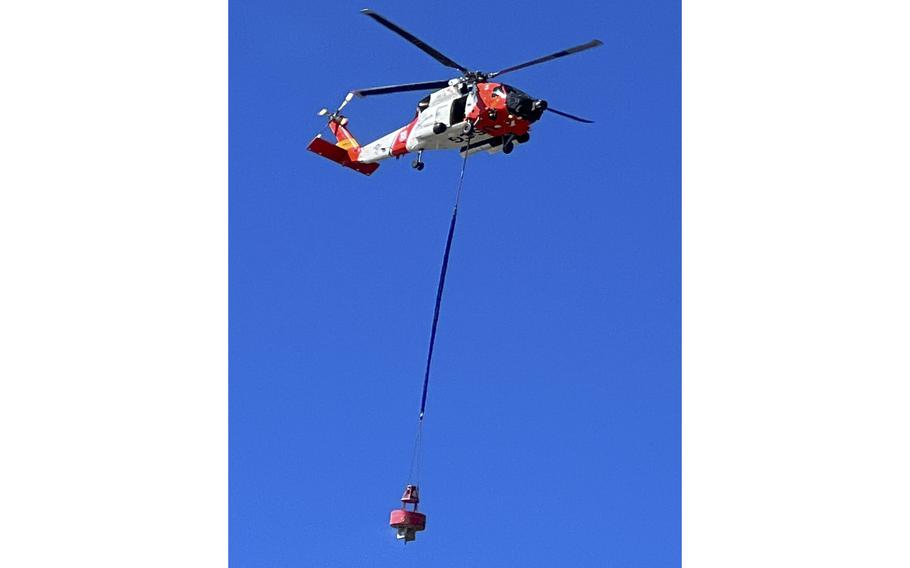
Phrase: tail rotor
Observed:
(336, 116)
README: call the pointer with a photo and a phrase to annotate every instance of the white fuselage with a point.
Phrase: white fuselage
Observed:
(419, 135)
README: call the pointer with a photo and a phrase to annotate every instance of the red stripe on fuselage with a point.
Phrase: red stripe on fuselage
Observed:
(399, 146)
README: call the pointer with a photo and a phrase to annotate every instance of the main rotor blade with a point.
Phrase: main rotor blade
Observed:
(572, 116)
(413, 39)
(400, 88)
(557, 55)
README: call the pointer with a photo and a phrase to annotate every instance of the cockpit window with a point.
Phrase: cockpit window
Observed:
(518, 92)
(499, 92)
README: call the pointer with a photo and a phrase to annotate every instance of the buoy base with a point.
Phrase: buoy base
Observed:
(407, 523)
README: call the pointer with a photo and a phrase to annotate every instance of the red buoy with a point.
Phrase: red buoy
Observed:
(408, 522)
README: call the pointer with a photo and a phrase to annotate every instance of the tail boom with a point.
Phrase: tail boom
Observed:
(345, 152)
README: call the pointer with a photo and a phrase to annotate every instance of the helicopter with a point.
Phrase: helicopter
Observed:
(469, 112)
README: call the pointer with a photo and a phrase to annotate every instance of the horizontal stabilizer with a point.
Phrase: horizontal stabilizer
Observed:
(338, 155)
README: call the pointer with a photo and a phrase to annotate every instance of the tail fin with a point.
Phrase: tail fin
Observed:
(346, 140)
(346, 152)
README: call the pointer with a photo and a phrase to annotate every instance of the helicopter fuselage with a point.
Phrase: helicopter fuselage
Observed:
(496, 112)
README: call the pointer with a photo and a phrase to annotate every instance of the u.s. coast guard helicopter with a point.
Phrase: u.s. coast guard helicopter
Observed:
(469, 112)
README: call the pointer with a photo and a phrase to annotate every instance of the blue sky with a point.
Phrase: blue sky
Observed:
(552, 433)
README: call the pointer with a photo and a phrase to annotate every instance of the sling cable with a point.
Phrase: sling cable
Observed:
(409, 522)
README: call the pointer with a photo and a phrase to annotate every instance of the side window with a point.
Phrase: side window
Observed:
(458, 106)
(423, 104)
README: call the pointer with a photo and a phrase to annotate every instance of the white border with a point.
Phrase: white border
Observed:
(113, 299)
(796, 174)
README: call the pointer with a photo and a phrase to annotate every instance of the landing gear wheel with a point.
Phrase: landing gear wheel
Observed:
(468, 128)
(439, 128)
(417, 164)
(508, 147)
